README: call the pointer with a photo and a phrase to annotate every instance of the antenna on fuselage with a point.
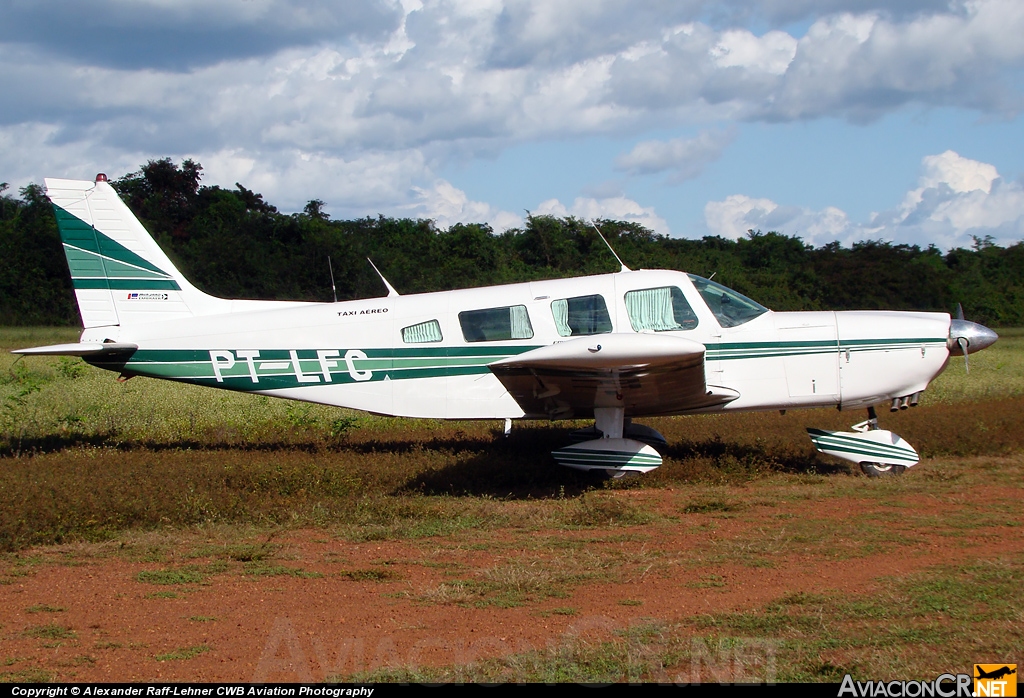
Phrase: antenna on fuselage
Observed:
(391, 289)
(624, 267)
(334, 289)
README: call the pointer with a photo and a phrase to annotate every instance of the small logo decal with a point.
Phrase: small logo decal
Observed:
(148, 296)
(995, 680)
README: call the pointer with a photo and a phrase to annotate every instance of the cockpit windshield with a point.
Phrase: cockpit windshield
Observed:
(729, 307)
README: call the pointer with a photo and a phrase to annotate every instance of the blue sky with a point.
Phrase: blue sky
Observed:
(835, 120)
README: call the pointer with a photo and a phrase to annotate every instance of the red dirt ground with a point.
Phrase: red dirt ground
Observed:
(292, 628)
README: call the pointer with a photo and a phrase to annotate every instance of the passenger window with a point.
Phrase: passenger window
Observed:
(582, 315)
(660, 310)
(422, 333)
(496, 324)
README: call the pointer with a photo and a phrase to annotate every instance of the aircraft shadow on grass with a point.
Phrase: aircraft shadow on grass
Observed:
(520, 467)
(517, 467)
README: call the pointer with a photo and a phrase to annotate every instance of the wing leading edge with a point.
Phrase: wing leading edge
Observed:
(645, 374)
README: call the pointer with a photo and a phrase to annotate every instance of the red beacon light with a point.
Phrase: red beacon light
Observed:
(101, 177)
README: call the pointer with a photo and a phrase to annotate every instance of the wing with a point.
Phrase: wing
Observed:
(644, 373)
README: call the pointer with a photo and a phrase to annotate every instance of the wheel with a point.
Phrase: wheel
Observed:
(881, 469)
(625, 474)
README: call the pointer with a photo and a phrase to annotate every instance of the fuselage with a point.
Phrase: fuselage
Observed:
(427, 355)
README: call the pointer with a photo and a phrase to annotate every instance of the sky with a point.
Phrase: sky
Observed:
(832, 120)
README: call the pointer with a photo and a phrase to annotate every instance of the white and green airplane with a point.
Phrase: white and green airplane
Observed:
(610, 347)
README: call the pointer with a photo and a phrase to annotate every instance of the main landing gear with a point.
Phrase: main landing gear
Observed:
(613, 445)
(879, 453)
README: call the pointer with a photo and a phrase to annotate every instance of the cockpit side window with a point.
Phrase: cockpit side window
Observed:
(659, 310)
(582, 315)
(496, 324)
(728, 306)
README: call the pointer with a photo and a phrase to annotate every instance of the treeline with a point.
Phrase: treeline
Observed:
(232, 243)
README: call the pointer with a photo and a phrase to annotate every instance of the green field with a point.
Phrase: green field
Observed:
(85, 458)
(86, 455)
(50, 400)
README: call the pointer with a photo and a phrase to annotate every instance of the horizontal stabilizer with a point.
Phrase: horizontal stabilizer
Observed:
(80, 349)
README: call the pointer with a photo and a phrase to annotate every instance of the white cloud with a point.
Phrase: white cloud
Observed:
(432, 77)
(447, 205)
(862, 66)
(771, 53)
(960, 173)
(362, 104)
(737, 214)
(734, 216)
(617, 208)
(957, 198)
(685, 158)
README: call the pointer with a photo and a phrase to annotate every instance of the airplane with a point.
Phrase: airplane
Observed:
(609, 347)
(995, 673)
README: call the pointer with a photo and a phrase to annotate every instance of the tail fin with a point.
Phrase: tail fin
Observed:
(121, 276)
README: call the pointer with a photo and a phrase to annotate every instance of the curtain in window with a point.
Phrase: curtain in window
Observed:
(429, 331)
(651, 309)
(520, 320)
(560, 311)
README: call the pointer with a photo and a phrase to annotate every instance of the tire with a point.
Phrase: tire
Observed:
(881, 469)
(625, 474)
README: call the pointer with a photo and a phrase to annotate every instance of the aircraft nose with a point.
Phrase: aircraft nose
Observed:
(977, 337)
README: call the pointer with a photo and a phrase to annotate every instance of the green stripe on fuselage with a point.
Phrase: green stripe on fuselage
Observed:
(726, 351)
(402, 363)
(275, 369)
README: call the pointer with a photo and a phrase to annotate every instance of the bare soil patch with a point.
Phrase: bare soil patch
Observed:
(309, 604)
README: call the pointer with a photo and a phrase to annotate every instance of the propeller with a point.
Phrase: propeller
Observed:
(967, 337)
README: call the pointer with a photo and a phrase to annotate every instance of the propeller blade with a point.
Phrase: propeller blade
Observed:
(962, 342)
(959, 312)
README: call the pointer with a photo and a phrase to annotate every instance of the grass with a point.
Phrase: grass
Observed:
(33, 675)
(50, 631)
(370, 575)
(239, 552)
(995, 373)
(919, 625)
(529, 579)
(87, 458)
(162, 595)
(953, 612)
(707, 506)
(263, 569)
(171, 576)
(183, 653)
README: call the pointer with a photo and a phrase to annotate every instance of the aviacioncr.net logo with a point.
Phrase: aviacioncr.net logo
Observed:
(945, 686)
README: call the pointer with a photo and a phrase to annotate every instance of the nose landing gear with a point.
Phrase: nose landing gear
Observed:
(879, 453)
